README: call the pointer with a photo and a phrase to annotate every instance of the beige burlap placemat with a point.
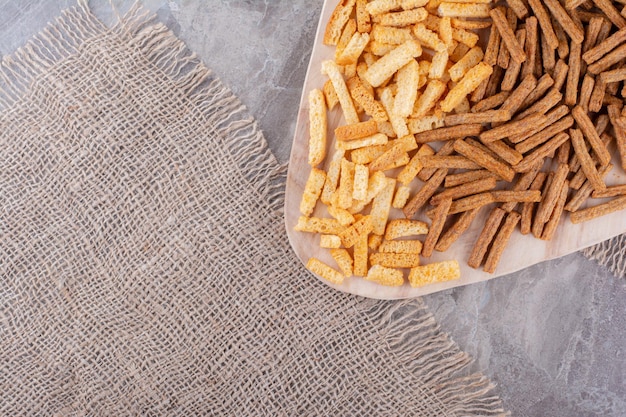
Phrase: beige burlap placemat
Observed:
(144, 266)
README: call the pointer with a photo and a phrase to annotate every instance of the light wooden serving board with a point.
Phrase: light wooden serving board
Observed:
(521, 252)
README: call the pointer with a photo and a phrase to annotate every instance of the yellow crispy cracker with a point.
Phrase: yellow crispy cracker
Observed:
(434, 272)
(385, 276)
(320, 268)
(312, 191)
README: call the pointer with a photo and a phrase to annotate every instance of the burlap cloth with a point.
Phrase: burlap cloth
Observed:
(144, 265)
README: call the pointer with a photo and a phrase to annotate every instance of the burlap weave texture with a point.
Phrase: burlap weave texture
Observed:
(144, 266)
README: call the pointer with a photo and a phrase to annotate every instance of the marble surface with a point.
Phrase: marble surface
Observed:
(552, 337)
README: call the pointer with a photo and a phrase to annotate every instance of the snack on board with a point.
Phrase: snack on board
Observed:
(440, 127)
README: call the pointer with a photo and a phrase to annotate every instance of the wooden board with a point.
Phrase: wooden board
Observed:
(521, 252)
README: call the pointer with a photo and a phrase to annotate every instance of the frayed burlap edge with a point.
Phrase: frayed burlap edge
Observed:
(609, 254)
(415, 341)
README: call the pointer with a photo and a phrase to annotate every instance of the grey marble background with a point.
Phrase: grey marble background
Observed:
(552, 337)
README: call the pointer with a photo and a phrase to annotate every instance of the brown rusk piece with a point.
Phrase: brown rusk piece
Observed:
(487, 116)
(553, 221)
(544, 22)
(507, 36)
(512, 128)
(586, 163)
(446, 133)
(573, 74)
(544, 134)
(439, 220)
(453, 180)
(464, 190)
(551, 196)
(514, 68)
(456, 230)
(528, 208)
(608, 60)
(569, 26)
(492, 224)
(604, 47)
(485, 160)
(582, 194)
(500, 241)
(424, 194)
(537, 156)
(586, 125)
(591, 213)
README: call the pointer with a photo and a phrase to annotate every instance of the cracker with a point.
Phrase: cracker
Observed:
(588, 129)
(398, 122)
(424, 123)
(385, 276)
(552, 117)
(389, 159)
(401, 197)
(512, 72)
(586, 189)
(312, 191)
(408, 79)
(611, 12)
(438, 65)
(537, 156)
(488, 116)
(377, 7)
(552, 223)
(455, 231)
(332, 176)
(428, 38)
(395, 260)
(454, 180)
(473, 24)
(351, 234)
(487, 234)
(439, 220)
(343, 216)
(512, 128)
(410, 170)
(468, 61)
(425, 193)
(317, 127)
(376, 139)
(585, 92)
(320, 268)
(492, 102)
(485, 160)
(337, 21)
(346, 184)
(353, 49)
(330, 242)
(449, 161)
(360, 252)
(386, 66)
(504, 152)
(573, 74)
(361, 179)
(518, 7)
(543, 84)
(508, 37)
(363, 20)
(403, 18)
(528, 208)
(365, 99)
(586, 163)
(500, 241)
(318, 225)
(604, 47)
(400, 246)
(434, 272)
(591, 213)
(469, 203)
(463, 10)
(343, 260)
(551, 99)
(356, 131)
(517, 96)
(404, 228)
(466, 85)
(382, 205)
(545, 22)
(331, 69)
(374, 241)
(391, 35)
(545, 134)
(613, 191)
(620, 133)
(464, 190)
(530, 46)
(551, 195)
(569, 26)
